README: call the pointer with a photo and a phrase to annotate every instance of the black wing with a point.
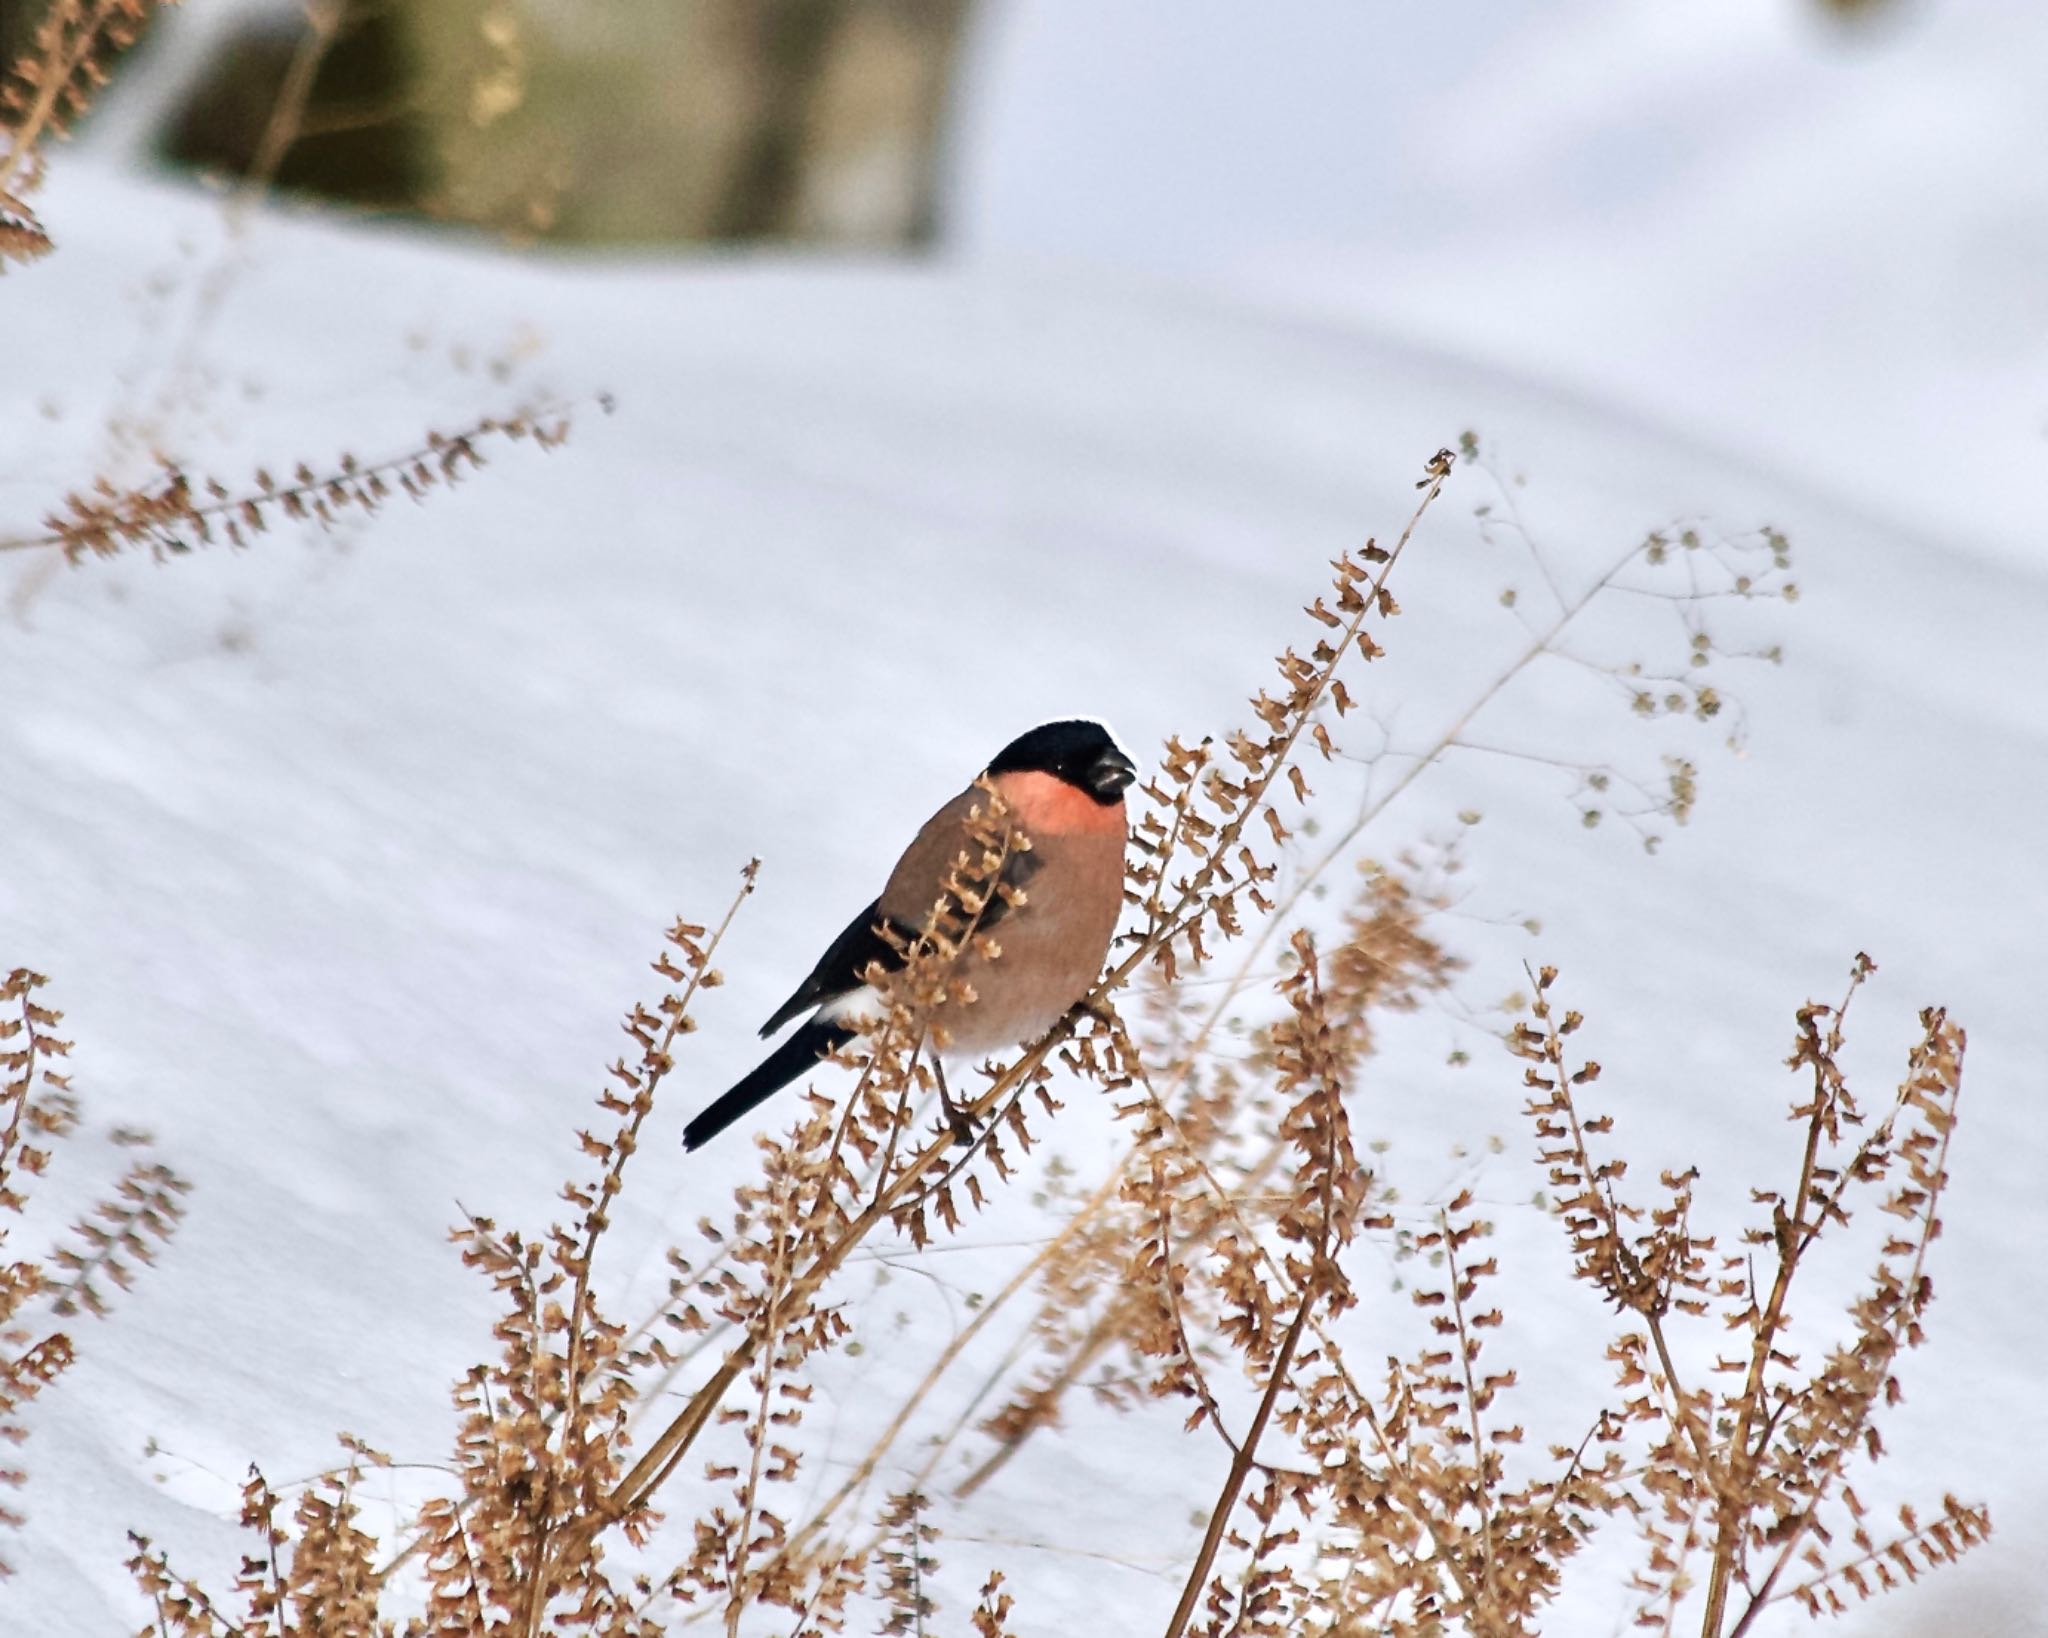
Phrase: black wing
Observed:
(843, 967)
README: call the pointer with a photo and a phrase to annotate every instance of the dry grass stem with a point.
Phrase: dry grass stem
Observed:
(109, 1247)
(47, 89)
(179, 513)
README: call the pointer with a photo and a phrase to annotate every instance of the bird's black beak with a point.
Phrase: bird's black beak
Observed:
(1111, 775)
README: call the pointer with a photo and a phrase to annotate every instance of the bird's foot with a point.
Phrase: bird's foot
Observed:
(1103, 1011)
(958, 1119)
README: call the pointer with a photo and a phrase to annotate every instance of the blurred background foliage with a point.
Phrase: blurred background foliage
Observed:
(598, 121)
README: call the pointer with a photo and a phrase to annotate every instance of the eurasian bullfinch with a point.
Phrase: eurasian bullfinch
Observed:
(1063, 784)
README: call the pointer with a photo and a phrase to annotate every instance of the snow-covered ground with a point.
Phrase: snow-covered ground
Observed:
(344, 856)
(1824, 248)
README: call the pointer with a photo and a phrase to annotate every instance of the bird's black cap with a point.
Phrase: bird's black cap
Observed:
(1077, 750)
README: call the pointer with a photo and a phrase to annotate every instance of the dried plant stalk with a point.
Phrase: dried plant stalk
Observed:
(121, 1234)
(44, 91)
(1760, 1459)
(178, 513)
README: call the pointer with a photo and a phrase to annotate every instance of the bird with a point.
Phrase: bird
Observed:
(1063, 785)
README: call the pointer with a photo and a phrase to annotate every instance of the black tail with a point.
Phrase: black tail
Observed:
(796, 1056)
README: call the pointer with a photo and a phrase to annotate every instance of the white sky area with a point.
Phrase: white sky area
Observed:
(345, 854)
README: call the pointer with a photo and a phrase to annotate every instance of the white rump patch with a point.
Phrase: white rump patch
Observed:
(861, 1006)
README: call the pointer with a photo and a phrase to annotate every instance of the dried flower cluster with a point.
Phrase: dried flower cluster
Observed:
(902, 1562)
(177, 513)
(38, 1110)
(42, 93)
(1688, 568)
(1214, 1264)
(1743, 1474)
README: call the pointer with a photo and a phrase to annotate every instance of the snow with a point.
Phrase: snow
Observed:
(1824, 248)
(345, 855)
